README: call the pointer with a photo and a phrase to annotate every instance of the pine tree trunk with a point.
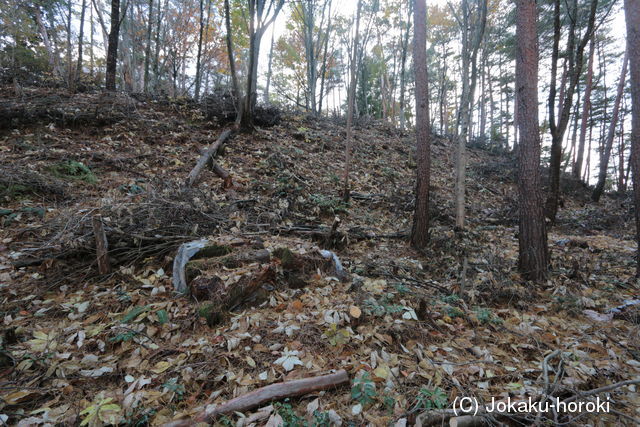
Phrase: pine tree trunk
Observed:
(420, 229)
(112, 51)
(232, 62)
(533, 258)
(632, 12)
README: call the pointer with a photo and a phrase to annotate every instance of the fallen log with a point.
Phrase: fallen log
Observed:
(267, 394)
(208, 156)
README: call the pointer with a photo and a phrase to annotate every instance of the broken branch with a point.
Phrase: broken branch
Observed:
(267, 394)
(207, 156)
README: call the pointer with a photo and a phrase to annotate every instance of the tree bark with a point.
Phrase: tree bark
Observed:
(469, 78)
(350, 106)
(232, 63)
(80, 42)
(102, 246)
(269, 69)
(112, 51)
(420, 228)
(575, 53)
(199, 55)
(147, 48)
(605, 155)
(586, 108)
(533, 258)
(207, 156)
(632, 13)
(403, 66)
(267, 394)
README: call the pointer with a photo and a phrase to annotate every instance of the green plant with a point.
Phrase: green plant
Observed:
(123, 337)
(453, 312)
(289, 417)
(329, 205)
(389, 402)
(382, 306)
(485, 316)
(71, 169)
(431, 399)
(172, 386)
(450, 299)
(363, 389)
(210, 313)
(321, 419)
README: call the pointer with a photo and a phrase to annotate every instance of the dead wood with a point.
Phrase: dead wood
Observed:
(267, 394)
(102, 246)
(208, 156)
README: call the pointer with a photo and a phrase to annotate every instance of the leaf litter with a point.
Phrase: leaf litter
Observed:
(410, 329)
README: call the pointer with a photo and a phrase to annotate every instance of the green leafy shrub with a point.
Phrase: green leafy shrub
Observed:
(363, 389)
(73, 170)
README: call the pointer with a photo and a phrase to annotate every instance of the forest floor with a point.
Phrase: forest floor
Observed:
(415, 331)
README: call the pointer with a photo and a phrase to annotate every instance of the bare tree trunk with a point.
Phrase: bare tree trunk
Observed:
(232, 62)
(586, 108)
(621, 146)
(269, 69)
(69, 73)
(199, 55)
(112, 51)
(350, 105)
(403, 66)
(574, 70)
(606, 152)
(632, 12)
(147, 48)
(80, 42)
(469, 60)
(51, 53)
(420, 229)
(533, 258)
(324, 60)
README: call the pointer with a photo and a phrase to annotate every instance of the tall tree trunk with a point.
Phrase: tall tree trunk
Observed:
(51, 53)
(606, 152)
(351, 98)
(199, 55)
(575, 53)
(112, 51)
(269, 69)
(324, 61)
(69, 74)
(232, 63)
(586, 108)
(147, 48)
(533, 258)
(621, 147)
(420, 229)
(80, 42)
(632, 12)
(469, 60)
(403, 67)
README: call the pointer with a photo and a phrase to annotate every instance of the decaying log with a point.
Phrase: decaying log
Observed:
(207, 156)
(267, 394)
(102, 246)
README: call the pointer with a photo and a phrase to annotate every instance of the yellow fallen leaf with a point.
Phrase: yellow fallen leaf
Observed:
(20, 397)
(355, 312)
(381, 372)
(160, 367)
